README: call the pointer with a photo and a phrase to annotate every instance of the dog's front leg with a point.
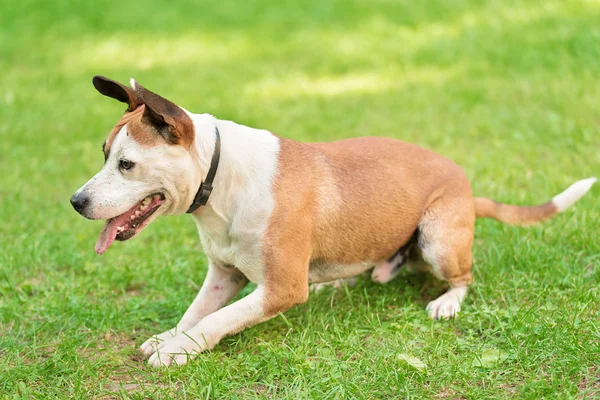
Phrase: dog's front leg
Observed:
(286, 253)
(219, 287)
(231, 319)
(285, 285)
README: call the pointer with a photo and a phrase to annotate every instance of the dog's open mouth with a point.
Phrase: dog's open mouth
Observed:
(130, 223)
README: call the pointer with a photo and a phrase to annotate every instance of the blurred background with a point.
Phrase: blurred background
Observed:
(508, 89)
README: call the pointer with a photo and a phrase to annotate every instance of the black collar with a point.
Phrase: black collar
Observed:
(205, 188)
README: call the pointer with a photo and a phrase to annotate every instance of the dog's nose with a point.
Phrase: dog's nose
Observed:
(79, 202)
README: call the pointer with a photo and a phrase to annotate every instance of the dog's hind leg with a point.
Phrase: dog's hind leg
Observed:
(445, 243)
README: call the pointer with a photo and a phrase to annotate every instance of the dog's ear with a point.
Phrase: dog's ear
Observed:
(114, 89)
(169, 119)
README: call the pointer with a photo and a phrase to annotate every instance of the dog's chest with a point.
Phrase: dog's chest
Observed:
(231, 245)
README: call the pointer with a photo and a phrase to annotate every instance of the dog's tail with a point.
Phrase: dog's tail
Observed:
(517, 215)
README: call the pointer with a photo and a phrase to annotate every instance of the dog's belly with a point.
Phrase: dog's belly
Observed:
(322, 271)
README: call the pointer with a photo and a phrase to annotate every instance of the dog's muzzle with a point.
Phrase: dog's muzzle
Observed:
(79, 201)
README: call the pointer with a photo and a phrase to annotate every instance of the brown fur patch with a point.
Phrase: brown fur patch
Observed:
(124, 120)
(142, 132)
(355, 201)
(160, 112)
(514, 215)
(383, 194)
(287, 244)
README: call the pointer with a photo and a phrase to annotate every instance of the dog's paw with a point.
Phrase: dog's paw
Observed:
(317, 287)
(176, 351)
(445, 306)
(150, 346)
(336, 284)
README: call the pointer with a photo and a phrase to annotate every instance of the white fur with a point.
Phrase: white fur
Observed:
(210, 330)
(162, 168)
(448, 304)
(432, 253)
(219, 287)
(231, 227)
(232, 224)
(573, 193)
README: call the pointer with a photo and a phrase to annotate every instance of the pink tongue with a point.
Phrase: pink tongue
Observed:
(107, 236)
(109, 231)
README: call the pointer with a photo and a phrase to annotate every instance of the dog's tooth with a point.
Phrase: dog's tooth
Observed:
(132, 217)
(146, 201)
(120, 229)
(137, 213)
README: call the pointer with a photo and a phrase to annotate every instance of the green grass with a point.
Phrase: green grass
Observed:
(508, 89)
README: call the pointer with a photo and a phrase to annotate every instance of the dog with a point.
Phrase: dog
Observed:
(284, 214)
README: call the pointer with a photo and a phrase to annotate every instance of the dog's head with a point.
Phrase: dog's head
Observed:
(149, 165)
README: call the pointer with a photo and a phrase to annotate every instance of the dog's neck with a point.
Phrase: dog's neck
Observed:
(248, 159)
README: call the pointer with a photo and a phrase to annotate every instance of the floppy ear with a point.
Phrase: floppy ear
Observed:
(114, 89)
(168, 118)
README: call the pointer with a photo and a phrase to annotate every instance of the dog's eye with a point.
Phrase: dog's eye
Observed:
(126, 164)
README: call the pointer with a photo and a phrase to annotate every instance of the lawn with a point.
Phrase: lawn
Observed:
(509, 89)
